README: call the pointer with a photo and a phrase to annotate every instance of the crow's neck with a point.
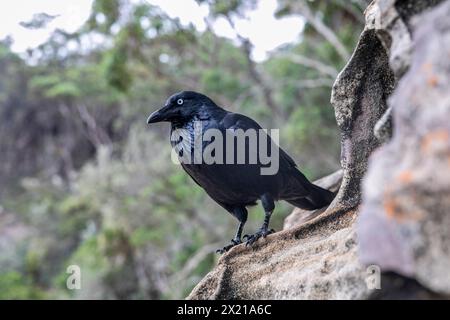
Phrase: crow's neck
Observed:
(215, 114)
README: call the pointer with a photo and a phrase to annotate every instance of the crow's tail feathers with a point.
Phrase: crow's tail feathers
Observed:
(317, 197)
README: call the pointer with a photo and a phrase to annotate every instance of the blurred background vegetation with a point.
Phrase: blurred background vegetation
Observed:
(80, 180)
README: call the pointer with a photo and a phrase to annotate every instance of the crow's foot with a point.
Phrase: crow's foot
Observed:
(263, 232)
(234, 242)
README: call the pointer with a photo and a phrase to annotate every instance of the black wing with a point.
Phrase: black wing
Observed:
(239, 121)
(293, 182)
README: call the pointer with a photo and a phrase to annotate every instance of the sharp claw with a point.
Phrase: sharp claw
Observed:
(260, 234)
(234, 242)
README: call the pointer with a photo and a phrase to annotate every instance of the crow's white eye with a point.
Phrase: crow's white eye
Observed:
(180, 102)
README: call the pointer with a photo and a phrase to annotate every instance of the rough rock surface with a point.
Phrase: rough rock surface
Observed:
(405, 220)
(316, 261)
(359, 99)
(316, 256)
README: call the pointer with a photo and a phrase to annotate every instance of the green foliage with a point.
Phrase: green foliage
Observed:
(109, 10)
(44, 81)
(63, 89)
(143, 235)
(219, 82)
(224, 7)
(116, 70)
(227, 7)
(15, 287)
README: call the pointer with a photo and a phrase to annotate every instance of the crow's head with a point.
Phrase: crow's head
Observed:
(183, 106)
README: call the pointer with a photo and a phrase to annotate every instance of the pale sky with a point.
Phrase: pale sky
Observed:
(261, 27)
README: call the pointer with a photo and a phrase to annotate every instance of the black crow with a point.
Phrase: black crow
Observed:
(233, 184)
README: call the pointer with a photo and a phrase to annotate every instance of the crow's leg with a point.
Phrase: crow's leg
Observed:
(241, 214)
(268, 205)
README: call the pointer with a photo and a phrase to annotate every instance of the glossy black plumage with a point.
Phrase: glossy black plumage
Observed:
(235, 186)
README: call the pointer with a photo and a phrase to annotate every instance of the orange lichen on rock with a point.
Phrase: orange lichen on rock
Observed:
(405, 176)
(432, 80)
(390, 207)
(427, 66)
(435, 137)
(395, 210)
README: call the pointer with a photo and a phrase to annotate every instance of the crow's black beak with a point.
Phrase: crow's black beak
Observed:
(157, 116)
(154, 117)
